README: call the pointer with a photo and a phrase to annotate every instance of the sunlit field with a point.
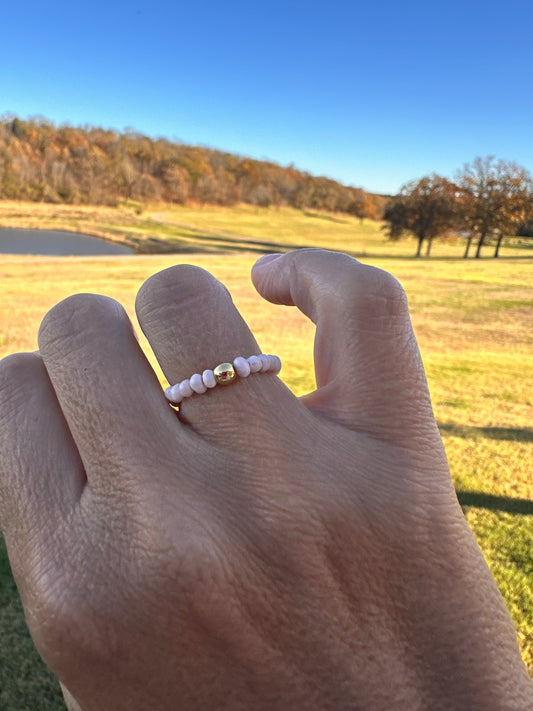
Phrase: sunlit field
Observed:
(473, 320)
(230, 230)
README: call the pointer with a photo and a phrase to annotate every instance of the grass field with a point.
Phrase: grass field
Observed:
(218, 230)
(473, 319)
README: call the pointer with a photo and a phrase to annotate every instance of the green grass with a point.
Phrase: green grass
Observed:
(25, 682)
(473, 322)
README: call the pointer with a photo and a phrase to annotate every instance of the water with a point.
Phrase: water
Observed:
(55, 243)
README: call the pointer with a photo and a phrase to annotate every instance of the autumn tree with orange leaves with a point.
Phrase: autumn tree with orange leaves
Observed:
(425, 208)
(43, 162)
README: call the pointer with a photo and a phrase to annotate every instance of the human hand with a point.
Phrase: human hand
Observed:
(258, 551)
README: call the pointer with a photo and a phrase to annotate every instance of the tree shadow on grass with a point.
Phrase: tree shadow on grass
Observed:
(207, 244)
(495, 503)
(510, 434)
(480, 500)
(240, 242)
(322, 216)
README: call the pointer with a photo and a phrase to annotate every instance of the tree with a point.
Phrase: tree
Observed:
(526, 229)
(175, 180)
(495, 199)
(41, 161)
(357, 205)
(425, 208)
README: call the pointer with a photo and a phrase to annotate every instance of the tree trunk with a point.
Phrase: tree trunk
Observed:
(497, 250)
(468, 243)
(480, 244)
(428, 250)
(419, 250)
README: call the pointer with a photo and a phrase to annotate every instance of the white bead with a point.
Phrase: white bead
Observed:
(185, 388)
(208, 379)
(197, 384)
(242, 367)
(265, 362)
(174, 394)
(255, 364)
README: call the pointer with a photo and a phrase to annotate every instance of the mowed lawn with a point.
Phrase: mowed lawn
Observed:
(474, 322)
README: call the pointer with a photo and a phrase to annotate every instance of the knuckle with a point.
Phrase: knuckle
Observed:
(49, 612)
(183, 285)
(377, 293)
(14, 366)
(69, 615)
(61, 630)
(74, 316)
(391, 295)
(15, 372)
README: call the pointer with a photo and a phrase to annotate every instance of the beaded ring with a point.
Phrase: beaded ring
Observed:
(223, 374)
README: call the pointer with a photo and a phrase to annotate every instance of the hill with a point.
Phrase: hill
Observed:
(42, 162)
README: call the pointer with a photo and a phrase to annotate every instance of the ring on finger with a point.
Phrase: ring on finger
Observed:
(223, 374)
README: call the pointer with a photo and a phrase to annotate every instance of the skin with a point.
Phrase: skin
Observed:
(258, 550)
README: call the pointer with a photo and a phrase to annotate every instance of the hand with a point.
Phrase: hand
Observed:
(258, 551)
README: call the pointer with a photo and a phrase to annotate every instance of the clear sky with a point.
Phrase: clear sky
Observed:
(371, 94)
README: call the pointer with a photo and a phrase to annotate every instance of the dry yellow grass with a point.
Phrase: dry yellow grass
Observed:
(473, 321)
(32, 285)
(157, 228)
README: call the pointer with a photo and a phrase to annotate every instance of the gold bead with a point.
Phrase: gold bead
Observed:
(224, 373)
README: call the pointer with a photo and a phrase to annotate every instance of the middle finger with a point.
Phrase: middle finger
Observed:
(192, 325)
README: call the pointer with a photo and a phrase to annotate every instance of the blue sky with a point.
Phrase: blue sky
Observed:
(371, 94)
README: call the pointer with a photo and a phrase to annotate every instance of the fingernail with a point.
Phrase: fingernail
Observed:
(267, 258)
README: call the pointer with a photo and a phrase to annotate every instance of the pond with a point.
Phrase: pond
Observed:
(55, 243)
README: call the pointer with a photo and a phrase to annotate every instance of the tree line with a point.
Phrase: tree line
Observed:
(40, 161)
(489, 199)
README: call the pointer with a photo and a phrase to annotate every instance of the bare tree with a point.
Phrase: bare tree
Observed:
(495, 198)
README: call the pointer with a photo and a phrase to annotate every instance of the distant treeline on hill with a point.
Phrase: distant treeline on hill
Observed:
(40, 161)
